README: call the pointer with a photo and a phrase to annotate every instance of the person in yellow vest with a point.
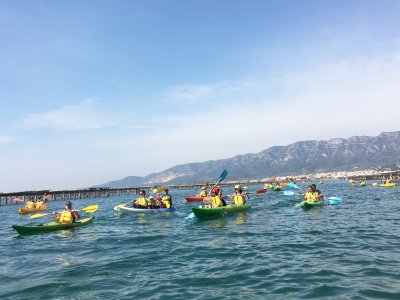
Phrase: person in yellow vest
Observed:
(203, 192)
(166, 199)
(30, 203)
(68, 215)
(151, 202)
(239, 198)
(142, 201)
(311, 194)
(214, 199)
(39, 203)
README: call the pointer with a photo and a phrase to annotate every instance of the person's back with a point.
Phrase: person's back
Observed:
(167, 199)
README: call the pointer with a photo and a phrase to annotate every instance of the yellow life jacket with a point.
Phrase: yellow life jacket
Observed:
(39, 204)
(166, 199)
(31, 204)
(238, 200)
(203, 193)
(312, 197)
(142, 202)
(66, 217)
(216, 201)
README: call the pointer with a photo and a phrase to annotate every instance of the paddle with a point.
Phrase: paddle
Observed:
(159, 190)
(220, 178)
(293, 185)
(262, 191)
(88, 209)
(120, 205)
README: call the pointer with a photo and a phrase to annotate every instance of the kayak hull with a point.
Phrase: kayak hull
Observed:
(194, 199)
(124, 209)
(388, 184)
(24, 211)
(209, 213)
(49, 227)
(309, 204)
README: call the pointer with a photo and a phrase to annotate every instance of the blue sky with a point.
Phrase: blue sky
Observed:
(94, 91)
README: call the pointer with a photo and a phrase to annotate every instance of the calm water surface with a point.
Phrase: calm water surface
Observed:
(274, 251)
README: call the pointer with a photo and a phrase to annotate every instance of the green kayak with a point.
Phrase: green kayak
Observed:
(48, 227)
(210, 213)
(309, 204)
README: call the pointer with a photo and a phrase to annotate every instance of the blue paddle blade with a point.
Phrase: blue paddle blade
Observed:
(223, 175)
(190, 216)
(288, 193)
(335, 200)
(293, 185)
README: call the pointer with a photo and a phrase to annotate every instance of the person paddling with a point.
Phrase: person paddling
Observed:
(311, 194)
(31, 203)
(203, 192)
(320, 195)
(239, 198)
(166, 199)
(142, 201)
(214, 199)
(68, 215)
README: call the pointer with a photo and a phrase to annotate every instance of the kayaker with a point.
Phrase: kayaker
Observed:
(39, 203)
(166, 199)
(68, 215)
(31, 203)
(152, 202)
(320, 195)
(239, 198)
(142, 201)
(311, 194)
(214, 199)
(203, 192)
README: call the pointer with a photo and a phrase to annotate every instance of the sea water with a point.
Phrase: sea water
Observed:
(276, 250)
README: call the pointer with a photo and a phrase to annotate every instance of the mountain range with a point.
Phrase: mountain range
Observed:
(305, 157)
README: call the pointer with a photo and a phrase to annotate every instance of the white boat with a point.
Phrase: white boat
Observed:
(124, 209)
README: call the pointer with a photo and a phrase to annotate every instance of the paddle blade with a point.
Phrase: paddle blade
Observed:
(262, 191)
(293, 185)
(34, 216)
(223, 175)
(288, 193)
(207, 183)
(159, 190)
(120, 205)
(91, 208)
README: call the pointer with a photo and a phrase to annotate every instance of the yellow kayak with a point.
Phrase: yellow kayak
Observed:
(388, 184)
(24, 211)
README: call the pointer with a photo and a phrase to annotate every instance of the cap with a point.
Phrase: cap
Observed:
(237, 186)
(203, 188)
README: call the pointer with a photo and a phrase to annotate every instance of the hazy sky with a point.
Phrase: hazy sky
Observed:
(93, 91)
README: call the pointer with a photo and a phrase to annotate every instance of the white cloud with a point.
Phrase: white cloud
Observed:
(7, 139)
(189, 94)
(82, 116)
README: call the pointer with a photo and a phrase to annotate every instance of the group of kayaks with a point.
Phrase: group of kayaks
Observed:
(199, 212)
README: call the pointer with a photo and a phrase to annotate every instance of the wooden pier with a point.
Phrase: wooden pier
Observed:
(49, 195)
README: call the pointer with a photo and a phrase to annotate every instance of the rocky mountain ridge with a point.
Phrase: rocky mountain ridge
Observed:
(305, 157)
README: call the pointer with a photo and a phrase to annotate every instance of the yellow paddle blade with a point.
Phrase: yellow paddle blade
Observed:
(159, 190)
(120, 205)
(34, 216)
(91, 208)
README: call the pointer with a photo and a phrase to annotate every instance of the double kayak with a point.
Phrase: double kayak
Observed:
(310, 204)
(123, 209)
(194, 199)
(209, 213)
(24, 211)
(388, 184)
(49, 227)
